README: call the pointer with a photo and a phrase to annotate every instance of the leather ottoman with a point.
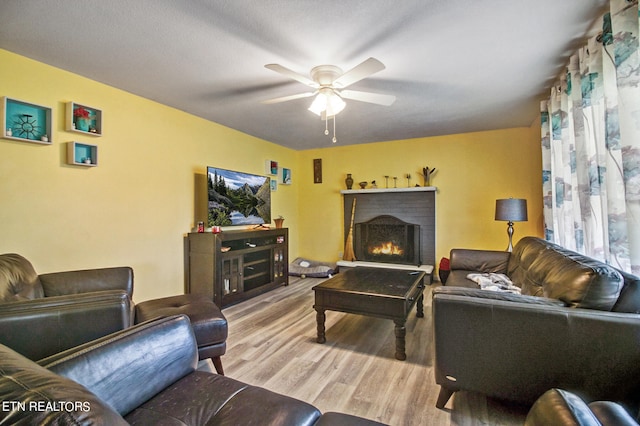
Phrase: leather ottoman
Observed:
(208, 323)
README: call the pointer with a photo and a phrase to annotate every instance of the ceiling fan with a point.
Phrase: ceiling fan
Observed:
(329, 82)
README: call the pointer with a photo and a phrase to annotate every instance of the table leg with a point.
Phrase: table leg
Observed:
(320, 325)
(401, 332)
(420, 307)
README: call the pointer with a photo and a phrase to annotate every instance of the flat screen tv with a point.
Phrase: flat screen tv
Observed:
(237, 198)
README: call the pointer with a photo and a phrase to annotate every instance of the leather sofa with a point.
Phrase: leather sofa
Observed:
(575, 326)
(561, 408)
(108, 381)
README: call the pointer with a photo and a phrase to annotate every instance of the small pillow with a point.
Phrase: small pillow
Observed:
(494, 282)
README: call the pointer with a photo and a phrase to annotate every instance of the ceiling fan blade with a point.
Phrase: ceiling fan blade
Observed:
(288, 98)
(374, 98)
(291, 74)
(357, 73)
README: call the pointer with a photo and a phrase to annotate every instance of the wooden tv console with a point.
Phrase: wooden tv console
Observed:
(233, 266)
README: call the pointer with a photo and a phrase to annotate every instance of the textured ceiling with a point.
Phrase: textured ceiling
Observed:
(454, 66)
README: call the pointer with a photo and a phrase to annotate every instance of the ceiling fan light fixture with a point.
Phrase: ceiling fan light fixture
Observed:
(319, 104)
(327, 103)
(329, 82)
(335, 105)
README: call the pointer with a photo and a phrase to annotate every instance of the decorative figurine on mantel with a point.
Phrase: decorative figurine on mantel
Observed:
(426, 174)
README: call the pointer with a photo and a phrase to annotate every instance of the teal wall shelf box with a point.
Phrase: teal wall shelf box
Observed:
(24, 121)
(83, 119)
(82, 154)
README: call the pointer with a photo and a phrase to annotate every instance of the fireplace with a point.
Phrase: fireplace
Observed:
(416, 205)
(387, 239)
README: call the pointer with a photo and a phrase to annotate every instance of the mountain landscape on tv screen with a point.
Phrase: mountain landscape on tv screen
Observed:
(237, 198)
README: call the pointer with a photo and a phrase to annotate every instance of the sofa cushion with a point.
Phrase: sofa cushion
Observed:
(458, 278)
(18, 279)
(38, 396)
(146, 358)
(203, 398)
(541, 268)
(629, 299)
(524, 254)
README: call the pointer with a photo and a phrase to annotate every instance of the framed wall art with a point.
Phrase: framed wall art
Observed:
(271, 167)
(83, 119)
(317, 170)
(24, 121)
(286, 176)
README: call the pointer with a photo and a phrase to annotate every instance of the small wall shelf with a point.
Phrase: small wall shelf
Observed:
(92, 125)
(82, 154)
(24, 121)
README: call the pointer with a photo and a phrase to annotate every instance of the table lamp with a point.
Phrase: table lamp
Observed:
(511, 210)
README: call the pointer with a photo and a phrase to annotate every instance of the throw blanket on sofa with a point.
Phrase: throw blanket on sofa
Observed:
(494, 282)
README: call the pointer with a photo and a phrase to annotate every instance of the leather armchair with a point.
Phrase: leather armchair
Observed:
(44, 314)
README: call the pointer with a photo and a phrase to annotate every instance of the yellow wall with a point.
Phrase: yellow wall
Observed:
(146, 193)
(134, 208)
(473, 170)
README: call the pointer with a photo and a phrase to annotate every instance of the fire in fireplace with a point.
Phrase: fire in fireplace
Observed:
(388, 248)
(387, 239)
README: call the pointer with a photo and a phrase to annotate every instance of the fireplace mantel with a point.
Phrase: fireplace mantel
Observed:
(378, 190)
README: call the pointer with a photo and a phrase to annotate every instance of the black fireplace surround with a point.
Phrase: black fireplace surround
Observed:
(387, 239)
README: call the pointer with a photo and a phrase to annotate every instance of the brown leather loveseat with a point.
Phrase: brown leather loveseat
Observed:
(576, 326)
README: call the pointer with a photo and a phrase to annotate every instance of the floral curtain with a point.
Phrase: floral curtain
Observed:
(591, 145)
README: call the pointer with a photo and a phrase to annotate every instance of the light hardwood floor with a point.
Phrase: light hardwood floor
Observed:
(272, 344)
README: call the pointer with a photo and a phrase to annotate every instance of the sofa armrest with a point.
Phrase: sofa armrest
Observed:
(479, 260)
(84, 281)
(559, 407)
(147, 357)
(41, 327)
(517, 351)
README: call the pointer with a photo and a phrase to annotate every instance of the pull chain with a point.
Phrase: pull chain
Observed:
(326, 128)
(334, 140)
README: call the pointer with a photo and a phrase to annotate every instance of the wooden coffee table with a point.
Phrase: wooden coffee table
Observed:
(376, 292)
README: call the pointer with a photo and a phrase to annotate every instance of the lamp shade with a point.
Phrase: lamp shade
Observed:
(511, 210)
